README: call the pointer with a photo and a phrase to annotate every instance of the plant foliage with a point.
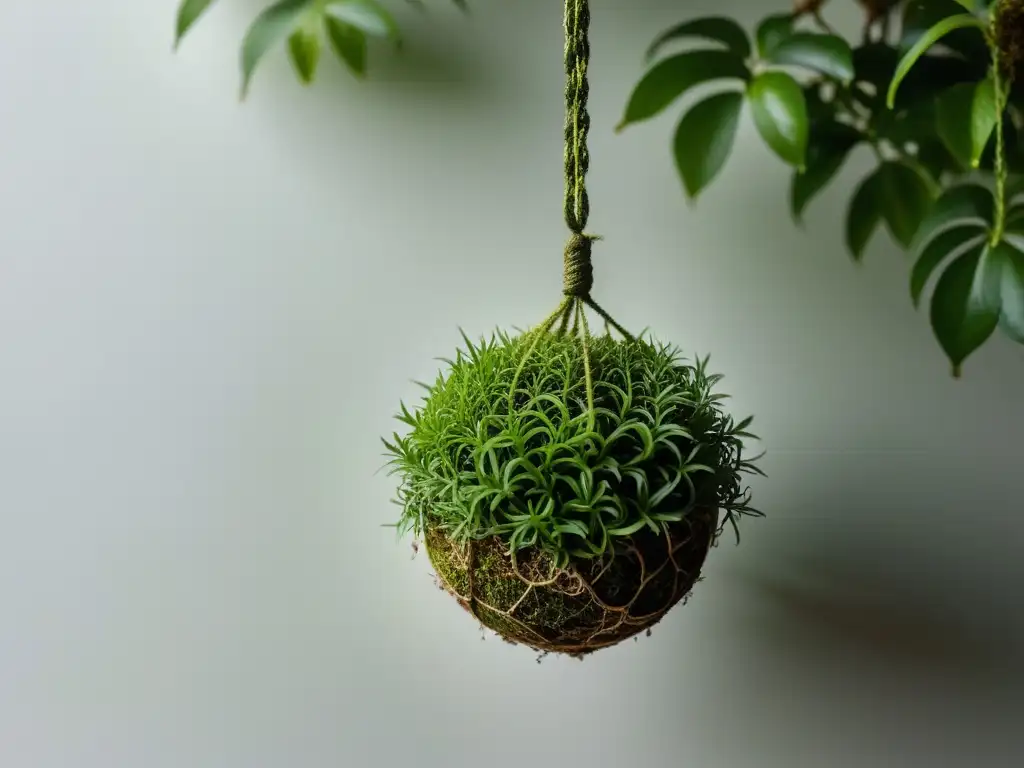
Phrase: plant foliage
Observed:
(302, 27)
(549, 472)
(940, 107)
(937, 98)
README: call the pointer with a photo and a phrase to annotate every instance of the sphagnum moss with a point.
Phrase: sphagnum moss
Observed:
(560, 525)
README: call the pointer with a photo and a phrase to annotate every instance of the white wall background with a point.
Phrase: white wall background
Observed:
(209, 312)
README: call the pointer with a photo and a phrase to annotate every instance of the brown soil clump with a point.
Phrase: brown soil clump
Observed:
(584, 607)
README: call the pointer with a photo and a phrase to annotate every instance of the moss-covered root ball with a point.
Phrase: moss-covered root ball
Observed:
(567, 516)
(580, 609)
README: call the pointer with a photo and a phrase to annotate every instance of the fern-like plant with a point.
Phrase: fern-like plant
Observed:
(586, 522)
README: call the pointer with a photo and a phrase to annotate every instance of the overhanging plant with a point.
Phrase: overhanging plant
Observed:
(933, 88)
(939, 102)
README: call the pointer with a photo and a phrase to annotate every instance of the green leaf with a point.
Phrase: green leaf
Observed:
(780, 114)
(875, 63)
(827, 151)
(349, 44)
(772, 31)
(964, 310)
(189, 12)
(304, 47)
(863, 216)
(1011, 318)
(930, 76)
(958, 204)
(911, 124)
(828, 54)
(967, 114)
(807, 184)
(274, 25)
(669, 79)
(829, 145)
(1014, 187)
(367, 15)
(573, 528)
(989, 278)
(926, 41)
(627, 530)
(905, 198)
(935, 158)
(719, 29)
(988, 155)
(920, 15)
(705, 138)
(948, 243)
(1015, 220)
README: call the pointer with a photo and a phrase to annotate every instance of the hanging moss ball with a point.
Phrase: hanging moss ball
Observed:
(566, 517)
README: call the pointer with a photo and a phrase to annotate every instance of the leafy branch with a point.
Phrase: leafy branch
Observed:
(303, 26)
(940, 107)
(938, 110)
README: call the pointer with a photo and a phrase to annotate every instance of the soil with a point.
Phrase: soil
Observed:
(582, 608)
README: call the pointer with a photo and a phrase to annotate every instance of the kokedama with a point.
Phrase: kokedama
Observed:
(568, 497)
(568, 486)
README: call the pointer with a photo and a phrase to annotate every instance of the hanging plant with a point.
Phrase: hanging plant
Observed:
(934, 89)
(567, 485)
(577, 511)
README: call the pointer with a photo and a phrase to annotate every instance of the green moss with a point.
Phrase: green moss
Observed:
(562, 516)
(575, 610)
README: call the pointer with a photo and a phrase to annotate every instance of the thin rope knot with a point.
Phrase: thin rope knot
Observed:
(578, 273)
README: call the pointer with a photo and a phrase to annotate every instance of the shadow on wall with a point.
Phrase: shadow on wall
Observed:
(924, 604)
